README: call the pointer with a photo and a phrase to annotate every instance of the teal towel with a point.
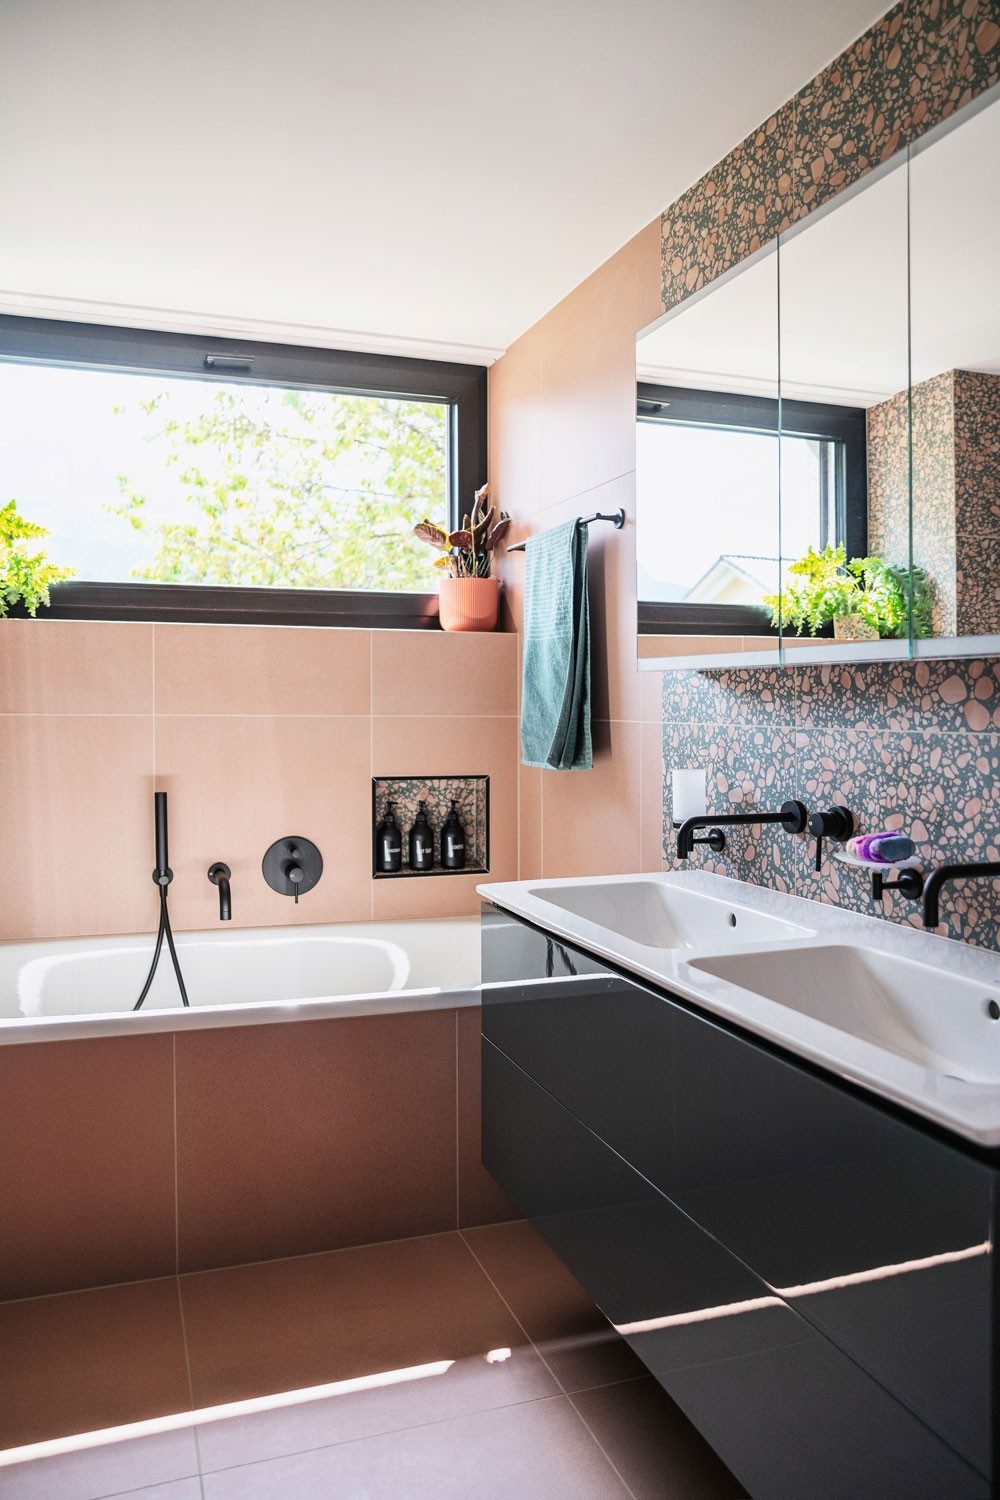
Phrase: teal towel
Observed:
(555, 677)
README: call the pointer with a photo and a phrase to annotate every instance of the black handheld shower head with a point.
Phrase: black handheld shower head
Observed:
(163, 874)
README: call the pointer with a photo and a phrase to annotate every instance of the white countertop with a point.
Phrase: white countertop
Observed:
(901, 1012)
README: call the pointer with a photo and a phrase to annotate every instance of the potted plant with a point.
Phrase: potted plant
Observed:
(866, 598)
(25, 576)
(469, 596)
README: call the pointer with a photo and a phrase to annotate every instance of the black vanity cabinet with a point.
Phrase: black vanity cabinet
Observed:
(808, 1273)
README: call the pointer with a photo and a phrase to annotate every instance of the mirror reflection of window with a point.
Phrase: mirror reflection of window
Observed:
(707, 530)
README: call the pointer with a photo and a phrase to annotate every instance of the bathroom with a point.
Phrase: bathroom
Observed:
(500, 734)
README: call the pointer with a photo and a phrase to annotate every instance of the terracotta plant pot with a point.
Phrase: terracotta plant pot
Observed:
(469, 603)
(853, 628)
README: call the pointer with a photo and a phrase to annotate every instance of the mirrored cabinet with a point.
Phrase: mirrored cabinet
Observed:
(818, 432)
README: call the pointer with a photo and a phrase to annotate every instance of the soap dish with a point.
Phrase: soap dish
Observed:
(913, 863)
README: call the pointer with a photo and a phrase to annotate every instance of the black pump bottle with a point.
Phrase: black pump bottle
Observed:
(389, 843)
(453, 841)
(421, 841)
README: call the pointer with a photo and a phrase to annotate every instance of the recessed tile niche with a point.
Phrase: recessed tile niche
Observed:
(471, 795)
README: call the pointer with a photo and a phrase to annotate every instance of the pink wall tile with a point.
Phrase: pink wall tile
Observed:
(587, 380)
(651, 808)
(412, 897)
(366, 1153)
(250, 669)
(238, 784)
(590, 819)
(76, 813)
(530, 822)
(87, 1179)
(75, 667)
(515, 427)
(424, 672)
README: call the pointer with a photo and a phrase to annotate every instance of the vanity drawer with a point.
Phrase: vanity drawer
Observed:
(774, 1397)
(876, 1231)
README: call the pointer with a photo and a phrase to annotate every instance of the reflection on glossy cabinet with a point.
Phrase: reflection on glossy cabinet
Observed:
(807, 1273)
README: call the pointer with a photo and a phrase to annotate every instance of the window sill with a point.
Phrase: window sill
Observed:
(202, 604)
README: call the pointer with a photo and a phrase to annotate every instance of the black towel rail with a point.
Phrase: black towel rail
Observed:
(617, 519)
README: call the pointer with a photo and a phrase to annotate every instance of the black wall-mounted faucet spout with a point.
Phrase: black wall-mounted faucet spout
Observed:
(942, 876)
(793, 817)
(220, 875)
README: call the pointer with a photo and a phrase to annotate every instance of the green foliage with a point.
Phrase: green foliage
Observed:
(468, 552)
(825, 586)
(322, 493)
(24, 574)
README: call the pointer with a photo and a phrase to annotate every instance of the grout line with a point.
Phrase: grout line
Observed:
(190, 1381)
(368, 1437)
(371, 750)
(103, 1286)
(458, 1171)
(565, 1393)
(177, 1207)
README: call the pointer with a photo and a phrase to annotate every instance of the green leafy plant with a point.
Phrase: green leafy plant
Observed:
(24, 575)
(468, 552)
(825, 586)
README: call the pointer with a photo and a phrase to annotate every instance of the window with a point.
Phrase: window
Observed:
(184, 478)
(709, 470)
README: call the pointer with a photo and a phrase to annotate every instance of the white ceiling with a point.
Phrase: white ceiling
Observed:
(403, 172)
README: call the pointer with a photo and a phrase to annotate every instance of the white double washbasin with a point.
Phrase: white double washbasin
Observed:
(914, 1018)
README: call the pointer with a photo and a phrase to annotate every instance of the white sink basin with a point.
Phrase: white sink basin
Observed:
(661, 916)
(900, 1012)
(936, 1019)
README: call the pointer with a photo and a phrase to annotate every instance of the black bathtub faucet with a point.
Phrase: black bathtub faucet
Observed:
(220, 875)
(989, 870)
(792, 816)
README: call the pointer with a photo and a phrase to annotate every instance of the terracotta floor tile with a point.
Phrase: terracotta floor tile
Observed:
(295, 1324)
(84, 1361)
(95, 1473)
(576, 1340)
(537, 1451)
(653, 1445)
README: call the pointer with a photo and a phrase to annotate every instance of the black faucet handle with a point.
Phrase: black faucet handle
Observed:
(836, 822)
(910, 884)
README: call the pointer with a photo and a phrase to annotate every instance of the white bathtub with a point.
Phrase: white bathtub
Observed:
(88, 986)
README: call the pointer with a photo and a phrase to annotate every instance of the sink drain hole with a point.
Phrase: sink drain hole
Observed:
(993, 1010)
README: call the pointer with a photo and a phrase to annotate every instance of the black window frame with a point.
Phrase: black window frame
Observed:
(846, 424)
(95, 346)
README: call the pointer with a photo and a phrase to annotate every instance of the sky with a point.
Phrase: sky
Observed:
(703, 491)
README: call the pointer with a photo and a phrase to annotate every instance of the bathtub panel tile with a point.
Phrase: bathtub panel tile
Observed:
(87, 1173)
(480, 1200)
(238, 784)
(76, 813)
(464, 673)
(262, 669)
(75, 667)
(89, 1360)
(314, 1135)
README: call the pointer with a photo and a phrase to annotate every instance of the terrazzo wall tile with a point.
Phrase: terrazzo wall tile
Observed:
(745, 201)
(977, 501)
(918, 64)
(470, 795)
(911, 746)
